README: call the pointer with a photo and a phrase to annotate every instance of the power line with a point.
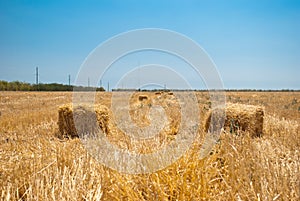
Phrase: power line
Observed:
(37, 77)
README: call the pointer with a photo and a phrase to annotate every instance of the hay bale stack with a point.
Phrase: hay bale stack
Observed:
(88, 119)
(239, 117)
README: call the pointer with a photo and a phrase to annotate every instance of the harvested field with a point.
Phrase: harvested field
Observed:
(37, 165)
(84, 115)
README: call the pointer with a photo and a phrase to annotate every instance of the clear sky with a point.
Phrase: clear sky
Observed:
(254, 44)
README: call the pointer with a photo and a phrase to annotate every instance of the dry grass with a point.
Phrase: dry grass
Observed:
(35, 165)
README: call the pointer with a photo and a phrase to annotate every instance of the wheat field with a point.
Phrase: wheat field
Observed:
(36, 164)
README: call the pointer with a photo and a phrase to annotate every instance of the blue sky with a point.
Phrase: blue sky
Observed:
(254, 44)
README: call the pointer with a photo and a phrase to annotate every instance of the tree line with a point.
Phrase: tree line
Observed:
(24, 86)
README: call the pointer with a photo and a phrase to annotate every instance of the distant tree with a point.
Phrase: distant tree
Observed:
(3, 85)
(100, 89)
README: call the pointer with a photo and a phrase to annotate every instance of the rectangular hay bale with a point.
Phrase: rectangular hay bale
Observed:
(65, 121)
(242, 117)
(87, 119)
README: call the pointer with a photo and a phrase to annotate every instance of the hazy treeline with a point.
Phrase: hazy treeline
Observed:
(206, 90)
(24, 86)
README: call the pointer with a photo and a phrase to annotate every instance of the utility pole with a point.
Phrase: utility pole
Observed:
(88, 82)
(139, 75)
(69, 80)
(107, 86)
(37, 77)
